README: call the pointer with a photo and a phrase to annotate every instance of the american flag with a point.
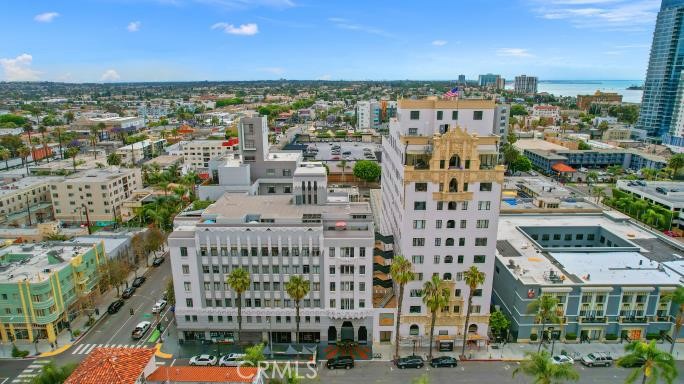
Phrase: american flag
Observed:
(452, 93)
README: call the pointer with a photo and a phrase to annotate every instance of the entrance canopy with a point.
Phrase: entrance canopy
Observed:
(563, 168)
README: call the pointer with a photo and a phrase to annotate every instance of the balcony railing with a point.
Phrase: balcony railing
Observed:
(634, 319)
(593, 320)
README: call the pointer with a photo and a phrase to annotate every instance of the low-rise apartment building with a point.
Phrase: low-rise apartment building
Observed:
(43, 285)
(606, 273)
(26, 201)
(142, 150)
(312, 233)
(95, 195)
(198, 153)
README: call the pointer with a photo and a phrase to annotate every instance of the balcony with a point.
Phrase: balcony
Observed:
(452, 196)
(593, 320)
(662, 318)
(633, 319)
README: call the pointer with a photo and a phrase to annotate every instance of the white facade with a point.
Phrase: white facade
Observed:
(197, 153)
(546, 111)
(447, 226)
(525, 84)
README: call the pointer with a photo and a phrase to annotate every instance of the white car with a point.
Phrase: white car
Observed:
(562, 359)
(231, 360)
(158, 306)
(206, 360)
(140, 330)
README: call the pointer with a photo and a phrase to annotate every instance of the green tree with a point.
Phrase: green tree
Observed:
(652, 218)
(677, 298)
(401, 272)
(498, 322)
(367, 170)
(598, 193)
(254, 355)
(583, 146)
(592, 177)
(72, 152)
(603, 126)
(522, 164)
(69, 117)
(24, 153)
(170, 292)
(540, 367)
(614, 171)
(154, 239)
(473, 278)
(297, 288)
(648, 173)
(51, 374)
(435, 297)
(518, 110)
(676, 162)
(238, 280)
(114, 159)
(5, 155)
(657, 365)
(93, 140)
(544, 310)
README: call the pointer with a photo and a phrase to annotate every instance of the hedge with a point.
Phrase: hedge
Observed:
(533, 337)
(570, 336)
(611, 336)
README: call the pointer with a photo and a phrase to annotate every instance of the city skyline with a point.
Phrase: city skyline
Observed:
(190, 40)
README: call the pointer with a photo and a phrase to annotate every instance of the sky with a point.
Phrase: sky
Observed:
(191, 40)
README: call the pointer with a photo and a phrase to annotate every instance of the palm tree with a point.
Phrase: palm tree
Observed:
(28, 128)
(657, 364)
(69, 117)
(73, 152)
(239, 281)
(401, 271)
(473, 279)
(676, 162)
(164, 186)
(297, 288)
(100, 129)
(648, 173)
(544, 310)
(592, 177)
(24, 153)
(59, 131)
(5, 154)
(598, 192)
(42, 129)
(93, 139)
(114, 159)
(436, 297)
(677, 297)
(652, 218)
(540, 367)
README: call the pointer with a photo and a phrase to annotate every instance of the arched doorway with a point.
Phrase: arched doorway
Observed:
(332, 335)
(413, 330)
(347, 331)
(455, 161)
(472, 328)
(362, 335)
(453, 185)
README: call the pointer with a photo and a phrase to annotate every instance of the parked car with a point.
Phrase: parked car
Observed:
(140, 330)
(347, 153)
(410, 362)
(346, 362)
(115, 306)
(335, 158)
(138, 281)
(562, 359)
(128, 292)
(158, 261)
(158, 306)
(203, 360)
(639, 362)
(231, 360)
(597, 359)
(443, 361)
(671, 234)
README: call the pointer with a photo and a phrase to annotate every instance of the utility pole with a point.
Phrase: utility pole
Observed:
(28, 210)
(90, 232)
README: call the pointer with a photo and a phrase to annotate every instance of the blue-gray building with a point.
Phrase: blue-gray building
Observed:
(664, 70)
(610, 276)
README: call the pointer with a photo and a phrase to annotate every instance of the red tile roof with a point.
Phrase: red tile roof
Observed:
(112, 366)
(561, 167)
(196, 374)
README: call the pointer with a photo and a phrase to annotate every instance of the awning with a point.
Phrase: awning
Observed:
(475, 336)
(445, 338)
(341, 224)
(563, 168)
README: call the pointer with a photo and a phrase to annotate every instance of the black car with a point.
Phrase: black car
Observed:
(128, 292)
(346, 362)
(410, 362)
(138, 281)
(443, 361)
(639, 362)
(158, 261)
(115, 306)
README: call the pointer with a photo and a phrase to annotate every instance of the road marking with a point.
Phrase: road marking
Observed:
(173, 362)
(160, 362)
(75, 352)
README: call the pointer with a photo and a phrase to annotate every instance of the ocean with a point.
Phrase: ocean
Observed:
(587, 87)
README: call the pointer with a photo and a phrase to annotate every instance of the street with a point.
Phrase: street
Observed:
(112, 331)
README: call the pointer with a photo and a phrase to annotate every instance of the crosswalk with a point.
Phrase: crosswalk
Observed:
(84, 349)
(33, 370)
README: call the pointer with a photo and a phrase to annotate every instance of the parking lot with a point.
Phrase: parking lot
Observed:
(333, 160)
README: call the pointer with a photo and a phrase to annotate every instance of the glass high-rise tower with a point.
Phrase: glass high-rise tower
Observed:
(658, 105)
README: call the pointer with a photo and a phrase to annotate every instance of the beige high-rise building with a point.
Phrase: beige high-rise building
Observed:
(99, 192)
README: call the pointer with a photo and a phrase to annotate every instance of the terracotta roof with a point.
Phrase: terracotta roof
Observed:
(112, 366)
(194, 374)
(561, 167)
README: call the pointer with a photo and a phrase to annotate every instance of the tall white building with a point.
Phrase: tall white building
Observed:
(313, 232)
(525, 84)
(441, 189)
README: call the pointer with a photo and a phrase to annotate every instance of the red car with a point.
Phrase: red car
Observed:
(335, 158)
(671, 234)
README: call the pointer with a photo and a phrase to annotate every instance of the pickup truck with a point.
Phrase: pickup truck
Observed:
(140, 330)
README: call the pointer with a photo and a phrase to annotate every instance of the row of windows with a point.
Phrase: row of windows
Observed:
(276, 269)
(448, 259)
(481, 224)
(449, 242)
(252, 319)
(452, 205)
(477, 115)
(253, 251)
(456, 309)
(345, 303)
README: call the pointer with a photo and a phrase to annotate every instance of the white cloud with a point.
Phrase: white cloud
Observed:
(619, 15)
(346, 24)
(45, 17)
(19, 68)
(244, 4)
(513, 52)
(273, 70)
(134, 26)
(324, 77)
(439, 43)
(110, 75)
(248, 29)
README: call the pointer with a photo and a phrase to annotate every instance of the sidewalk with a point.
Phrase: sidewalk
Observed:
(515, 351)
(64, 339)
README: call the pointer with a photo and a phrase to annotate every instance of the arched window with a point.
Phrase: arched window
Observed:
(413, 330)
(472, 328)
(448, 259)
(453, 185)
(455, 161)
(449, 242)
(447, 276)
(451, 224)
(452, 206)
